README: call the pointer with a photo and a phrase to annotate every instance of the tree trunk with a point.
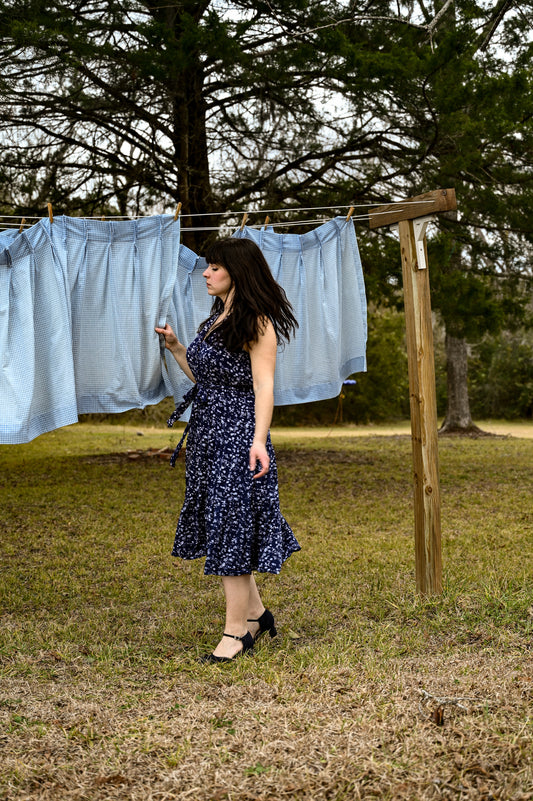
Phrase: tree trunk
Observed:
(458, 418)
(186, 98)
(194, 189)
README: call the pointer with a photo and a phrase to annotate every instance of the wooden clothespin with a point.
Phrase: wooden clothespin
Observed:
(267, 220)
(102, 217)
(50, 213)
(243, 223)
(177, 212)
(351, 211)
(22, 225)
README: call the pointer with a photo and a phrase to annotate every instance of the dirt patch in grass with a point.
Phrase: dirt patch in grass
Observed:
(294, 457)
(137, 455)
(286, 458)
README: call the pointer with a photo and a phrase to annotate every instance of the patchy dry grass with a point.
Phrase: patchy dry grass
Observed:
(368, 692)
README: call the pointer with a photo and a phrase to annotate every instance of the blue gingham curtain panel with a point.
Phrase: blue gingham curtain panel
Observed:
(93, 291)
(189, 306)
(37, 387)
(119, 281)
(322, 275)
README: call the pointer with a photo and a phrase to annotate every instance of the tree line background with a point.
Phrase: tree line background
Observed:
(122, 108)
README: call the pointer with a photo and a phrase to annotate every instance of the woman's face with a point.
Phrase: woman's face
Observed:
(218, 281)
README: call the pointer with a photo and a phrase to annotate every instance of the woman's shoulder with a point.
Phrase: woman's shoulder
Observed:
(266, 335)
(264, 323)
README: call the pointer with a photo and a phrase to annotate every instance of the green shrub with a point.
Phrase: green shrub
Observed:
(501, 376)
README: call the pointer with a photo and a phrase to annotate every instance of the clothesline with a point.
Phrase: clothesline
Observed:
(237, 212)
(234, 212)
(196, 229)
(276, 224)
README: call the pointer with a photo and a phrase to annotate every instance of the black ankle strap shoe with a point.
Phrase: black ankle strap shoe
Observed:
(247, 645)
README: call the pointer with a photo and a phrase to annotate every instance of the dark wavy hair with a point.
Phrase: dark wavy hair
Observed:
(256, 294)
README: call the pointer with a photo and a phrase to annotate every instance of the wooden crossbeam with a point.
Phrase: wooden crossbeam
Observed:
(438, 200)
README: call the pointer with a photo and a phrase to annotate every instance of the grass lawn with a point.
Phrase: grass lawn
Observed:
(367, 692)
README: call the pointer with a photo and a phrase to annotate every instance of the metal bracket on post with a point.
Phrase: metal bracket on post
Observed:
(419, 226)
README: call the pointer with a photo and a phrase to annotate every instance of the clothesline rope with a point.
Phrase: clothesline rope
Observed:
(226, 213)
(197, 229)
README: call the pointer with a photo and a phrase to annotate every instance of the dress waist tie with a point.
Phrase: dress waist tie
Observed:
(195, 392)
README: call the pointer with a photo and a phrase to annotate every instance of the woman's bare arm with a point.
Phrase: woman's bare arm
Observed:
(263, 361)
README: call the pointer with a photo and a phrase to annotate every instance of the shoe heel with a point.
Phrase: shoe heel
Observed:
(266, 623)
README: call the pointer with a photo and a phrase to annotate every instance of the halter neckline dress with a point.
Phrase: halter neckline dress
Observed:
(227, 516)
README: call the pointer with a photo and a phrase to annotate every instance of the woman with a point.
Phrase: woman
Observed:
(231, 510)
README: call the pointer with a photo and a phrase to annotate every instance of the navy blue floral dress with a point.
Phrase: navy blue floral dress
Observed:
(227, 516)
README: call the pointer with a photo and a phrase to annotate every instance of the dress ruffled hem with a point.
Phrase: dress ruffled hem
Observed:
(254, 567)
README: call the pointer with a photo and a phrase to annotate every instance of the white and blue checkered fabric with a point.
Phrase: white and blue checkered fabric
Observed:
(189, 306)
(7, 237)
(79, 300)
(37, 387)
(120, 277)
(322, 276)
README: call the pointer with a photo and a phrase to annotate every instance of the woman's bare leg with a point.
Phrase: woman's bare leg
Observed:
(243, 603)
(255, 607)
(237, 591)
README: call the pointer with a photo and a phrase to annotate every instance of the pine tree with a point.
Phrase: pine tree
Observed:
(129, 107)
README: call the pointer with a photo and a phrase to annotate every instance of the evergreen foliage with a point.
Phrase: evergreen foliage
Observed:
(501, 376)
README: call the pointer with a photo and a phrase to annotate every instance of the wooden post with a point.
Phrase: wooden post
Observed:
(420, 360)
(422, 399)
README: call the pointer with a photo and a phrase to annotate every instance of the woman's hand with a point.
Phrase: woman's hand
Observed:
(178, 350)
(259, 453)
(171, 340)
